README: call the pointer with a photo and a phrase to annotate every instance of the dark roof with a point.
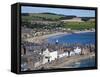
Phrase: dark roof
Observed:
(35, 57)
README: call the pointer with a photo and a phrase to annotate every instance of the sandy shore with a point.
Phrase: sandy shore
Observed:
(39, 39)
(83, 31)
(54, 34)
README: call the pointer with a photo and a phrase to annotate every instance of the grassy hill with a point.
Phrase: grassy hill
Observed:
(79, 25)
(28, 17)
(42, 16)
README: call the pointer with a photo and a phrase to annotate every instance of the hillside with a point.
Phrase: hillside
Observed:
(43, 16)
(52, 20)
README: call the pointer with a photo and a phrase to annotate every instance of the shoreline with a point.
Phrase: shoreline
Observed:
(84, 31)
(40, 39)
(73, 59)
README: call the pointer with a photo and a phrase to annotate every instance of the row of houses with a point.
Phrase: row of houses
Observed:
(30, 33)
(50, 56)
(34, 56)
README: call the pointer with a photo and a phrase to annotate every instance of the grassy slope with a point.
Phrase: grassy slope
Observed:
(79, 25)
(72, 25)
(47, 16)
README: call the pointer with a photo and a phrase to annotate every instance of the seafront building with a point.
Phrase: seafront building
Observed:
(34, 57)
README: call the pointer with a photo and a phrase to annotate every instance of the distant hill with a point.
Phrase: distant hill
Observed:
(50, 16)
(43, 16)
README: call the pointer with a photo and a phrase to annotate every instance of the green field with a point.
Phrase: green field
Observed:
(55, 17)
(37, 16)
(79, 25)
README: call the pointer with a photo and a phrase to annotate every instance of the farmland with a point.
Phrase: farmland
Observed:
(79, 25)
(50, 19)
(43, 16)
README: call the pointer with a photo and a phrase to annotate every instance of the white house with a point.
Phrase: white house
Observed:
(53, 55)
(77, 50)
(46, 55)
(63, 54)
(49, 56)
(72, 53)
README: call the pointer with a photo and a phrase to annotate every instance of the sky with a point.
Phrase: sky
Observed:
(76, 12)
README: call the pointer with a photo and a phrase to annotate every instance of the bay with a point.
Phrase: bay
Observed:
(82, 38)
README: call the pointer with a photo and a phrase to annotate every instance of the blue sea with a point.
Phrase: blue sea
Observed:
(81, 38)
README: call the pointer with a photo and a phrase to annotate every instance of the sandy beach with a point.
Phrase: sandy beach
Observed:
(39, 39)
(83, 31)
